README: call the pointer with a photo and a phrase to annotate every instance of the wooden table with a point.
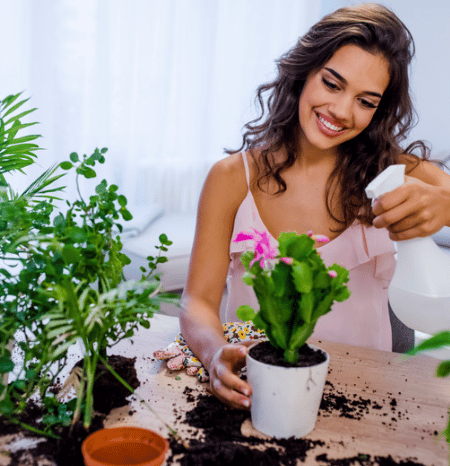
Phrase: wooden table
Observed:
(407, 404)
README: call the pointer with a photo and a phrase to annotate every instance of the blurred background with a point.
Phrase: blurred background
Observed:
(167, 84)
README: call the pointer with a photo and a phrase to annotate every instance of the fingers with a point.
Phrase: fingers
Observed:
(229, 396)
(412, 188)
(409, 211)
(224, 383)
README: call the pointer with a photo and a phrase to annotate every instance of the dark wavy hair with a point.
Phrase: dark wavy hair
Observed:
(377, 30)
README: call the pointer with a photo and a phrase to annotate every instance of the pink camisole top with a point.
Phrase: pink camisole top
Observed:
(368, 254)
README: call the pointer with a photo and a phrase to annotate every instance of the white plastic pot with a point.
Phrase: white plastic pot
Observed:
(286, 400)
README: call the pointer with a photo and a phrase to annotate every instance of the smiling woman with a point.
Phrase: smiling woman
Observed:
(335, 116)
(335, 106)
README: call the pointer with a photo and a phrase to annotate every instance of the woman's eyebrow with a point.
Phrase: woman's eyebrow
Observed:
(342, 79)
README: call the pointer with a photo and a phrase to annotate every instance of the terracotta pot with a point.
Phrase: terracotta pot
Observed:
(286, 400)
(124, 446)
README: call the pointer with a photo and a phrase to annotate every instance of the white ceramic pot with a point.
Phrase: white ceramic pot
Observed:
(286, 400)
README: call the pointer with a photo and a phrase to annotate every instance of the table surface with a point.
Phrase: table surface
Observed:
(406, 403)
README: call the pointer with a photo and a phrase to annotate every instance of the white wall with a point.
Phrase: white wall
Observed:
(429, 23)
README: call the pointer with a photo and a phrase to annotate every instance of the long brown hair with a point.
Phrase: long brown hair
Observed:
(375, 29)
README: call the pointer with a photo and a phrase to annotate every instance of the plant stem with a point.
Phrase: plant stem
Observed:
(172, 431)
(90, 374)
(34, 429)
(78, 188)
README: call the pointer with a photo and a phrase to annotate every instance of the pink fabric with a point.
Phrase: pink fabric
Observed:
(368, 254)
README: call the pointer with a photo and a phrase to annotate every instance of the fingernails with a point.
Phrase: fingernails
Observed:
(246, 391)
(246, 403)
(243, 350)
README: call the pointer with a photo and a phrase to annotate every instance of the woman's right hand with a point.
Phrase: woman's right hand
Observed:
(224, 382)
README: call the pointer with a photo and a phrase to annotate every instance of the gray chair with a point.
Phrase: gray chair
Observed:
(402, 336)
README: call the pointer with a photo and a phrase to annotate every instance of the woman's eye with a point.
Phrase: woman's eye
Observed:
(367, 103)
(330, 85)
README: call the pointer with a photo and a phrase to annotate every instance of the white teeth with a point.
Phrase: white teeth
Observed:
(329, 125)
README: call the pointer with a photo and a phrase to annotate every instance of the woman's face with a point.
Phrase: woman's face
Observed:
(339, 100)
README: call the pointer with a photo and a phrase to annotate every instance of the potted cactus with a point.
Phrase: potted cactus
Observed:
(294, 288)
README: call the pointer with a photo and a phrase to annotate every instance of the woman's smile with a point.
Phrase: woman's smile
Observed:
(329, 126)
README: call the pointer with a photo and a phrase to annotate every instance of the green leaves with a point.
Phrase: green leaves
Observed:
(57, 414)
(443, 369)
(303, 277)
(16, 153)
(66, 165)
(64, 283)
(71, 254)
(296, 246)
(85, 171)
(293, 293)
(438, 340)
(245, 312)
(122, 200)
(6, 365)
(306, 307)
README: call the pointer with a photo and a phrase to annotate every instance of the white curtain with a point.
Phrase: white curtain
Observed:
(164, 84)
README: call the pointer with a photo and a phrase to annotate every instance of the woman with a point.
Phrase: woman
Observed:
(335, 118)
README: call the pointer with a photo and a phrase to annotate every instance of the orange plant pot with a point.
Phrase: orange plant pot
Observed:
(124, 446)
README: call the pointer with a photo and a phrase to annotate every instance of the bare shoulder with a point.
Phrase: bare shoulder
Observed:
(227, 179)
(223, 192)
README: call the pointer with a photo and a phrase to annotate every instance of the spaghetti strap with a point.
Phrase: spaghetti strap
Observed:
(247, 173)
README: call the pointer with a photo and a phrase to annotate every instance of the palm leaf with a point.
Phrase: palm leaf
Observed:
(37, 187)
(14, 107)
(64, 347)
(10, 99)
(15, 153)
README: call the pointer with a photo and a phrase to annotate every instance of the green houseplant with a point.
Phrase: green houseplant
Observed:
(294, 289)
(61, 282)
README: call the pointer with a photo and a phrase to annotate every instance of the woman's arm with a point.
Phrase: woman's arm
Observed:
(223, 191)
(420, 207)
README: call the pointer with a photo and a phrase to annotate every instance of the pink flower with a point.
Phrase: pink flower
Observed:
(332, 273)
(287, 260)
(318, 238)
(263, 250)
(243, 237)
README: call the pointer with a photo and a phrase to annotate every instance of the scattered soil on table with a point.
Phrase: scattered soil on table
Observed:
(222, 443)
(66, 451)
(365, 460)
(338, 403)
(266, 353)
(31, 413)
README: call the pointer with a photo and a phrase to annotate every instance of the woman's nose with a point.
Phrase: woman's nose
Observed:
(341, 108)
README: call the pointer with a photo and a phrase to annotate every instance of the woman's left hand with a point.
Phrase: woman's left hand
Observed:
(414, 209)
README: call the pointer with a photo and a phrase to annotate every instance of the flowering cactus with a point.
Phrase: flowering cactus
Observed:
(294, 288)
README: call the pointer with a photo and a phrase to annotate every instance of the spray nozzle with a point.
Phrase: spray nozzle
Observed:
(388, 180)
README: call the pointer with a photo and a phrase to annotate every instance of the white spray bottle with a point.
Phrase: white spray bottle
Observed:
(419, 292)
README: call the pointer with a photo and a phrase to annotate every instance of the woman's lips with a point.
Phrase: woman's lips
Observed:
(328, 128)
